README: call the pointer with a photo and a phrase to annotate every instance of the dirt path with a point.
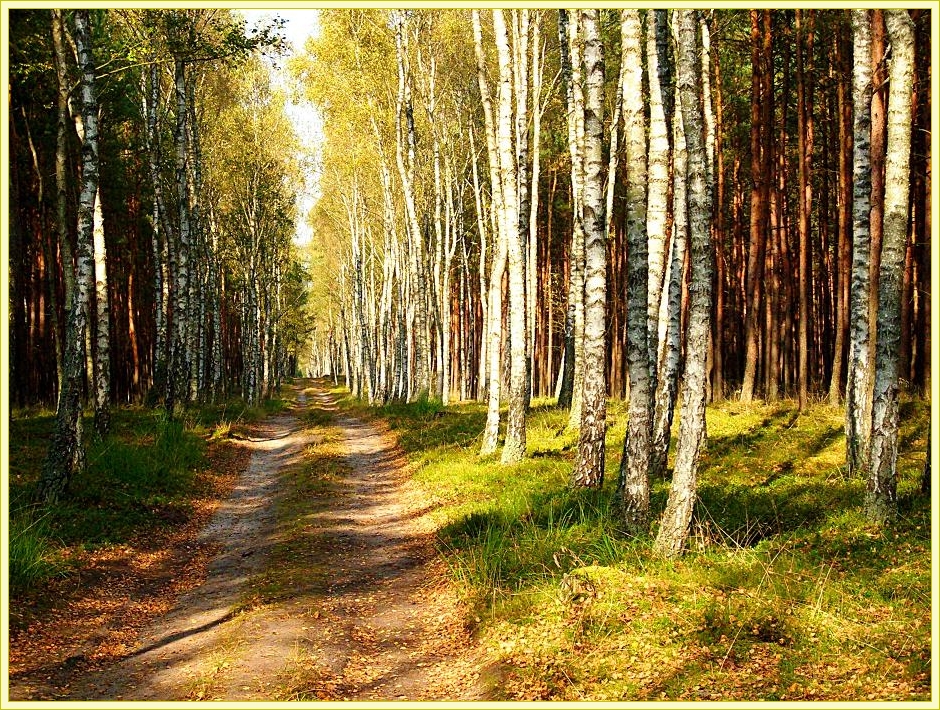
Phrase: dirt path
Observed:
(371, 618)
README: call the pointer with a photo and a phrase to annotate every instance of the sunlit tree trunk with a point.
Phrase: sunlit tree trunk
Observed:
(804, 90)
(421, 384)
(589, 465)
(674, 525)
(857, 414)
(483, 379)
(520, 82)
(657, 190)
(634, 466)
(881, 498)
(515, 443)
(494, 330)
(570, 394)
(760, 194)
(538, 62)
(102, 369)
(670, 312)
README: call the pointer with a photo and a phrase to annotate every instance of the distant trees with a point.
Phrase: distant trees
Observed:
(133, 262)
(486, 228)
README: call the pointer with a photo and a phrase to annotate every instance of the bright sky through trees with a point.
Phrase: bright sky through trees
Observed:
(306, 119)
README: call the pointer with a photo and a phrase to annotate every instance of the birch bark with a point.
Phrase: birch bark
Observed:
(857, 415)
(589, 467)
(674, 525)
(515, 443)
(66, 455)
(634, 465)
(881, 496)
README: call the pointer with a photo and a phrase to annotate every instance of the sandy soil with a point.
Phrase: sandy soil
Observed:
(383, 622)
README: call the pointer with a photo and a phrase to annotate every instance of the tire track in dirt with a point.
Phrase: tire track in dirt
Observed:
(384, 623)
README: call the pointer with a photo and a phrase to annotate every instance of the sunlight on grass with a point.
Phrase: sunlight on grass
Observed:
(786, 591)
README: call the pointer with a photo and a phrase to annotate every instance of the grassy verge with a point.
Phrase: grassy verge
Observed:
(786, 592)
(143, 478)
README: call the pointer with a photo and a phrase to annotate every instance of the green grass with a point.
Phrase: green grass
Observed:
(143, 477)
(786, 591)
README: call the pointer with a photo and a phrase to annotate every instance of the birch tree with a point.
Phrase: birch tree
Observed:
(881, 497)
(515, 443)
(405, 144)
(495, 296)
(674, 524)
(670, 312)
(589, 466)
(857, 414)
(571, 72)
(634, 465)
(66, 455)
(657, 187)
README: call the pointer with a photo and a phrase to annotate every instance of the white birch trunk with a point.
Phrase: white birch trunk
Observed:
(178, 381)
(538, 54)
(657, 190)
(589, 466)
(634, 465)
(483, 379)
(576, 280)
(494, 329)
(65, 457)
(421, 383)
(857, 388)
(881, 496)
(670, 311)
(515, 443)
(674, 525)
(102, 367)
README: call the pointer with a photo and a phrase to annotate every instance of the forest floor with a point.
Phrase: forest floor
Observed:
(316, 577)
(332, 550)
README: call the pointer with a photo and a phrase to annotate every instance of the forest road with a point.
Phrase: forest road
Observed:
(345, 598)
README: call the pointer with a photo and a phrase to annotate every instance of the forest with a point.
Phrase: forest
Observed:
(594, 258)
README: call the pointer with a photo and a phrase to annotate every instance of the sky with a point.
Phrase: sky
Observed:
(300, 24)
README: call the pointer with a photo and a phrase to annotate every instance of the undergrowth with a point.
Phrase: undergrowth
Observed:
(785, 592)
(144, 476)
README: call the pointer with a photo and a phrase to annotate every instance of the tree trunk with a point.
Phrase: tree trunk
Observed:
(570, 394)
(670, 312)
(845, 229)
(657, 190)
(421, 385)
(493, 327)
(161, 233)
(515, 443)
(102, 369)
(804, 91)
(178, 379)
(761, 85)
(66, 456)
(589, 466)
(674, 525)
(61, 181)
(634, 465)
(881, 498)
